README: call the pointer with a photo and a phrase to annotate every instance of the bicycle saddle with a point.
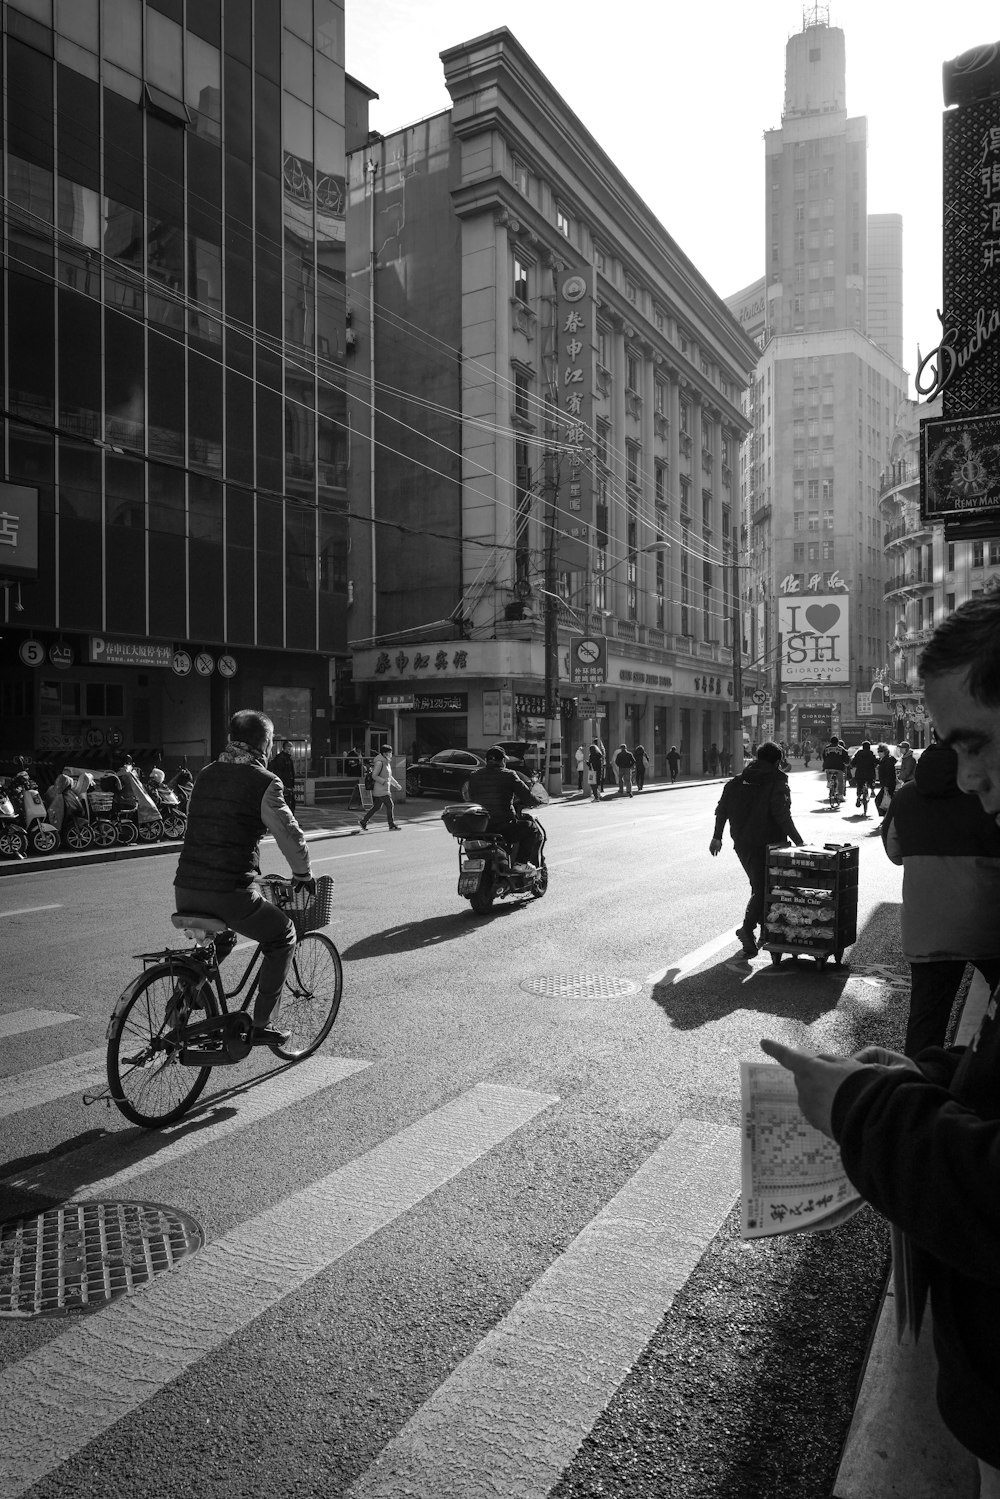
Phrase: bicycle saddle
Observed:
(189, 921)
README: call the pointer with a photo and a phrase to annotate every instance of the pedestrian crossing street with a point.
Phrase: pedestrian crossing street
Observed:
(508, 1418)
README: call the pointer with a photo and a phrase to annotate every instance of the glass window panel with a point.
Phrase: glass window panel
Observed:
(166, 396)
(164, 50)
(300, 291)
(123, 34)
(239, 289)
(204, 508)
(79, 364)
(165, 262)
(123, 482)
(78, 20)
(166, 500)
(124, 381)
(205, 21)
(297, 65)
(267, 29)
(30, 219)
(123, 243)
(238, 34)
(205, 436)
(79, 128)
(204, 188)
(267, 126)
(270, 438)
(164, 170)
(298, 17)
(300, 548)
(239, 430)
(329, 82)
(202, 86)
(171, 8)
(238, 109)
(31, 347)
(78, 59)
(122, 150)
(29, 103)
(300, 432)
(330, 30)
(205, 281)
(79, 482)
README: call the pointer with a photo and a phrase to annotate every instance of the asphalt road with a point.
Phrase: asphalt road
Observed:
(485, 1242)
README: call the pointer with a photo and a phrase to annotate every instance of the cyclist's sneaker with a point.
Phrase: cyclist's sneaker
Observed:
(269, 1035)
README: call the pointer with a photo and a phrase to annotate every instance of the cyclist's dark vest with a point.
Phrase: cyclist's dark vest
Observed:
(223, 828)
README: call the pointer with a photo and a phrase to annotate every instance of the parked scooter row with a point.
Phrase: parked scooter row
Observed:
(80, 813)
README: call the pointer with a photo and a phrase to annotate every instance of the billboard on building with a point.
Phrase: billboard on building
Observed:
(960, 468)
(18, 533)
(574, 363)
(815, 645)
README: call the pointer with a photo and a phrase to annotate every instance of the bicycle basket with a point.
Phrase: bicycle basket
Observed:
(308, 912)
(100, 801)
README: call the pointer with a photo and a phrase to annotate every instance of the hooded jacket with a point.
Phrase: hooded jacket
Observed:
(950, 852)
(758, 807)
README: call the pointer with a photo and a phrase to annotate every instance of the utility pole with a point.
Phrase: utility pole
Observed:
(371, 171)
(737, 671)
(553, 720)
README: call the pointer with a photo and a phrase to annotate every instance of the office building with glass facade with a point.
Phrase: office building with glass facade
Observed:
(173, 346)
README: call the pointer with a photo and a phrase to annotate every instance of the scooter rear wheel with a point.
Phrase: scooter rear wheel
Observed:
(151, 832)
(174, 825)
(126, 831)
(482, 901)
(104, 833)
(79, 835)
(13, 842)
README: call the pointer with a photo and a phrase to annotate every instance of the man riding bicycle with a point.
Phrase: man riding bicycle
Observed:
(836, 761)
(865, 771)
(234, 802)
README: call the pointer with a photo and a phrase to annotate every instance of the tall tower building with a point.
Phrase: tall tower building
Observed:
(823, 404)
(885, 282)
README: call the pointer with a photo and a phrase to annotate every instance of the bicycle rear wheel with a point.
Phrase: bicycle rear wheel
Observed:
(310, 998)
(147, 1081)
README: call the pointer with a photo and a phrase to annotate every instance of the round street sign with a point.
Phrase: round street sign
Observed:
(759, 697)
(32, 652)
(181, 663)
(204, 664)
(95, 738)
(227, 666)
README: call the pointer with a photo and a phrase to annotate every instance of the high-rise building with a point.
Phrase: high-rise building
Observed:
(822, 405)
(173, 354)
(885, 282)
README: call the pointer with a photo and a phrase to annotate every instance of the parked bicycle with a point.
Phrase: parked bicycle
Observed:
(172, 1024)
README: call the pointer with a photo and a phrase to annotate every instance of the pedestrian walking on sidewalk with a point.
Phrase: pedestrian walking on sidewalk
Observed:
(624, 764)
(595, 770)
(950, 852)
(284, 766)
(885, 772)
(641, 764)
(758, 807)
(713, 759)
(674, 762)
(384, 780)
(581, 766)
(920, 1136)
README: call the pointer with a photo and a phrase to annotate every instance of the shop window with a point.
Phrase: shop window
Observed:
(104, 700)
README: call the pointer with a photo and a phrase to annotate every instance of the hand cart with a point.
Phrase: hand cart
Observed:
(811, 901)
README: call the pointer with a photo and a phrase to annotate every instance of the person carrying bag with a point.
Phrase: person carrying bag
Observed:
(382, 782)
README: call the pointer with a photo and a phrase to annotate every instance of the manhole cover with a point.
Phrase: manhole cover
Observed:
(80, 1256)
(581, 986)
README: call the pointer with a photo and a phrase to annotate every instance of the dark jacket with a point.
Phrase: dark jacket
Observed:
(835, 757)
(231, 807)
(595, 758)
(865, 767)
(925, 1151)
(887, 773)
(625, 760)
(950, 852)
(501, 792)
(284, 766)
(758, 807)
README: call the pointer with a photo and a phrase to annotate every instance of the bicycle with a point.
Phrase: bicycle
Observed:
(864, 796)
(835, 788)
(172, 1024)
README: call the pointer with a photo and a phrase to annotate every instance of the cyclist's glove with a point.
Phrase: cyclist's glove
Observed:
(304, 882)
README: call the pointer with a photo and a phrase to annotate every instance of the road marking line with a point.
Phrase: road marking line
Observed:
(80, 1384)
(546, 1372)
(358, 854)
(32, 1020)
(691, 960)
(30, 910)
(65, 1178)
(54, 1080)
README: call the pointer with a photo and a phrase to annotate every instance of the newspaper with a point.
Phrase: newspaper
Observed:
(793, 1180)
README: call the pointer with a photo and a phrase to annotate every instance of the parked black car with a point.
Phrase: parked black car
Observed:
(444, 774)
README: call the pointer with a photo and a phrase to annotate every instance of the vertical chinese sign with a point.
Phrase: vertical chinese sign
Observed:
(574, 363)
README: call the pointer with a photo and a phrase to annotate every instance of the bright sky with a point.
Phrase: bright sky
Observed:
(679, 94)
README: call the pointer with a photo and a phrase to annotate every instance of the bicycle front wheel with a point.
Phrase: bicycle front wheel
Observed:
(147, 1081)
(310, 998)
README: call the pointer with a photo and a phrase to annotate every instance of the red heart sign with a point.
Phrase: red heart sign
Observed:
(822, 617)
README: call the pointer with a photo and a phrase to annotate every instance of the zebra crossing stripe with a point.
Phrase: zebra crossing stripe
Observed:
(67, 1177)
(54, 1080)
(32, 1020)
(80, 1384)
(546, 1372)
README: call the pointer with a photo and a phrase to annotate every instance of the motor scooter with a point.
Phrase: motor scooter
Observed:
(13, 838)
(487, 867)
(42, 836)
(68, 813)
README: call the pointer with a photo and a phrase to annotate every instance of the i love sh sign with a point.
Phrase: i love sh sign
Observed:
(815, 645)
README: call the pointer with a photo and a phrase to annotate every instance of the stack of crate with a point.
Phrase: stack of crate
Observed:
(812, 901)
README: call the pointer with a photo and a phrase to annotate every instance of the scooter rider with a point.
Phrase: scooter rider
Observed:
(502, 792)
(235, 800)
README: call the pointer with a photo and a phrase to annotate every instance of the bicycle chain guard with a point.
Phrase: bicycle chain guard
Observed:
(230, 1035)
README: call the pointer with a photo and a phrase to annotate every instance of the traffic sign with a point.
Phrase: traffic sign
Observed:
(759, 697)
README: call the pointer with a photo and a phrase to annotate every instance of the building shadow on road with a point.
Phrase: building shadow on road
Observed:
(736, 983)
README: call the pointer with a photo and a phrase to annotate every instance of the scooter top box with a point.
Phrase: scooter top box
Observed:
(466, 820)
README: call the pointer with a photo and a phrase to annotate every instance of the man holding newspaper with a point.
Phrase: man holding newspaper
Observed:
(920, 1138)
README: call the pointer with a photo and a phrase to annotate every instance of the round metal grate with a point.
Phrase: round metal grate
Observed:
(581, 986)
(80, 1256)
